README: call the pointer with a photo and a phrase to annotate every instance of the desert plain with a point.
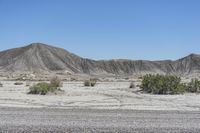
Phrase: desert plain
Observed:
(109, 106)
(104, 95)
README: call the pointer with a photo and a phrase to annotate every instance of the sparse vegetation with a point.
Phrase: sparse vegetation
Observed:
(40, 88)
(91, 82)
(18, 83)
(1, 85)
(55, 82)
(127, 78)
(20, 79)
(160, 84)
(73, 79)
(194, 86)
(43, 88)
(140, 77)
(87, 83)
(132, 85)
(138, 86)
(27, 83)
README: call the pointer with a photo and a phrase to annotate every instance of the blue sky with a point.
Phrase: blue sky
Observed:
(104, 29)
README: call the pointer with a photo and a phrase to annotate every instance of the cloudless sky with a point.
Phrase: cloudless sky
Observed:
(104, 29)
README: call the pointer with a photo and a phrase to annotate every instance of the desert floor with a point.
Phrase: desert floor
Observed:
(105, 95)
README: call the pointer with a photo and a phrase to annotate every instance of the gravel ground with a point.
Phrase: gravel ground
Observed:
(16, 120)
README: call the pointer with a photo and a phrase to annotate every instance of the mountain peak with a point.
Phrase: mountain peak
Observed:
(37, 45)
(194, 55)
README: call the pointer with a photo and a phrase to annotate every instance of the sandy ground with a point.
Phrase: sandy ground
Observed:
(105, 95)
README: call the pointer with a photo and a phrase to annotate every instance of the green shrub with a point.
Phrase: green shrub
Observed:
(40, 88)
(194, 86)
(181, 88)
(160, 84)
(43, 88)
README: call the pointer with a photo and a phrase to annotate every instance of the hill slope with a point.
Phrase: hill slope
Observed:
(39, 56)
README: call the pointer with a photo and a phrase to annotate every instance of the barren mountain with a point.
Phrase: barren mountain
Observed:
(43, 57)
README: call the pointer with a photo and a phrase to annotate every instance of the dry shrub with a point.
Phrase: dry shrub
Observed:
(44, 88)
(56, 82)
(132, 85)
(18, 83)
(91, 82)
(87, 83)
(28, 83)
(1, 85)
(40, 88)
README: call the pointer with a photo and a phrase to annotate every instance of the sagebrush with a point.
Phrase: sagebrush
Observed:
(43, 88)
(194, 86)
(163, 84)
(55, 82)
(90, 82)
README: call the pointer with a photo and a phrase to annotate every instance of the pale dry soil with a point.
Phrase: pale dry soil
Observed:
(105, 95)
